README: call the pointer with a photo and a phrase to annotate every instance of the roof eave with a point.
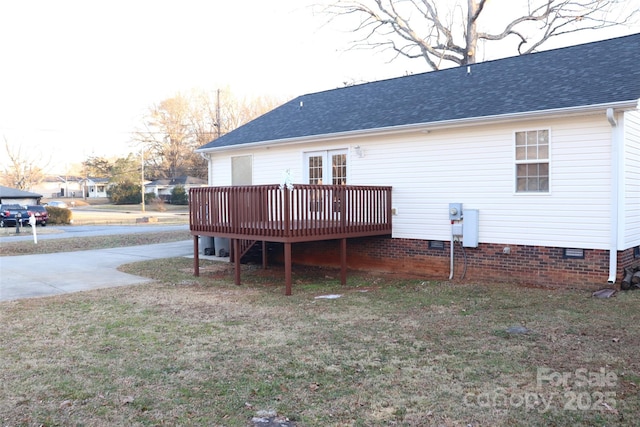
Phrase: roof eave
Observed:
(428, 126)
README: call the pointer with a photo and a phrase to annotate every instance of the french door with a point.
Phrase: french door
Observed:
(326, 167)
(330, 168)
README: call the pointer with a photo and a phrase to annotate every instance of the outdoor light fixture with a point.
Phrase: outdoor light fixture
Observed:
(358, 151)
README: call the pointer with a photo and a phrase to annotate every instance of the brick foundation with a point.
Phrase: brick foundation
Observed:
(534, 265)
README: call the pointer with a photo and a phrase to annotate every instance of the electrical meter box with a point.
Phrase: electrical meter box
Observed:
(455, 211)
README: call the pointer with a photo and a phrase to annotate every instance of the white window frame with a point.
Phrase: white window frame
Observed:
(517, 162)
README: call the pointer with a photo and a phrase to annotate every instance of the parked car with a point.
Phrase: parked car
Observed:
(9, 214)
(41, 214)
(57, 204)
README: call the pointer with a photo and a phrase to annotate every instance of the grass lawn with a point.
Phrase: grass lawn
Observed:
(389, 351)
(88, 243)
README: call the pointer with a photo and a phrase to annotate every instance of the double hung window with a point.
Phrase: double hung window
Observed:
(532, 161)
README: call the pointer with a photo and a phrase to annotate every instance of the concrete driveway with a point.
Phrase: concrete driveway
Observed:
(52, 274)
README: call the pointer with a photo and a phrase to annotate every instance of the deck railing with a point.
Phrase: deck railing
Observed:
(304, 213)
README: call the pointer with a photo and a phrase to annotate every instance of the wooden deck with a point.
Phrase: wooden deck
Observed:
(305, 213)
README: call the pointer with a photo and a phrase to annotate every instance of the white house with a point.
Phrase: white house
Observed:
(540, 154)
(55, 186)
(95, 187)
(163, 188)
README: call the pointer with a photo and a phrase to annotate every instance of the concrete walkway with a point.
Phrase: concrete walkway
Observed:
(29, 276)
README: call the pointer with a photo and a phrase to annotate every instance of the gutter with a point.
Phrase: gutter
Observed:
(207, 157)
(443, 124)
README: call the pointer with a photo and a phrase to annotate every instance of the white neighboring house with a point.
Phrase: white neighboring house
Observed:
(541, 151)
(57, 186)
(163, 188)
(95, 187)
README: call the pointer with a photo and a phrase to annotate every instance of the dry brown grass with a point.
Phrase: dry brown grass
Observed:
(90, 243)
(201, 351)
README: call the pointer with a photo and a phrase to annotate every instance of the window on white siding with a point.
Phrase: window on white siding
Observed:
(532, 161)
(241, 170)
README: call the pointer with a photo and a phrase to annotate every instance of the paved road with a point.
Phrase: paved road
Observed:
(52, 274)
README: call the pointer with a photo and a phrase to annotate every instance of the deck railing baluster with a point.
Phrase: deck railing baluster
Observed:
(308, 212)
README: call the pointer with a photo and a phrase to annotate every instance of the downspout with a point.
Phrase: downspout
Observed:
(615, 187)
(207, 157)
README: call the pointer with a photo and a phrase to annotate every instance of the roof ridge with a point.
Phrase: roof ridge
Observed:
(475, 64)
(552, 80)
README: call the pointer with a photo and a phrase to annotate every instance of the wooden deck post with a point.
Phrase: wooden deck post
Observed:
(236, 251)
(287, 268)
(343, 261)
(264, 254)
(196, 258)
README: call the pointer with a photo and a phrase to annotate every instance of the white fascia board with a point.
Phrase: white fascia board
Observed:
(445, 124)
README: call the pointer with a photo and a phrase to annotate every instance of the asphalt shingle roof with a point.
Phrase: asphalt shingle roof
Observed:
(14, 193)
(589, 74)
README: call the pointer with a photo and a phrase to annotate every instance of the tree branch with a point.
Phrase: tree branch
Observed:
(418, 29)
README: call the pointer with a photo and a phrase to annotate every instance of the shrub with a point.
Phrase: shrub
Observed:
(125, 193)
(150, 197)
(59, 215)
(179, 196)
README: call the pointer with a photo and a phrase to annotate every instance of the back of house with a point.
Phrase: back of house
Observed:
(525, 168)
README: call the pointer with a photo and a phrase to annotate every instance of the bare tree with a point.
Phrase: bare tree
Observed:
(237, 111)
(168, 139)
(220, 112)
(22, 171)
(445, 32)
(175, 127)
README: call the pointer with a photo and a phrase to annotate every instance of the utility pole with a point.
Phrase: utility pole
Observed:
(142, 176)
(218, 114)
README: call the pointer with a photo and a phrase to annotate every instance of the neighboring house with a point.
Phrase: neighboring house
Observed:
(542, 151)
(95, 187)
(164, 187)
(10, 195)
(57, 186)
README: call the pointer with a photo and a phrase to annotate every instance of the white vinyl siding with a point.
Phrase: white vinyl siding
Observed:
(473, 166)
(269, 164)
(631, 181)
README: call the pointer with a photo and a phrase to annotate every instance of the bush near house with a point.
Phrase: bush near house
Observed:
(59, 215)
(179, 196)
(150, 197)
(124, 193)
(128, 194)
